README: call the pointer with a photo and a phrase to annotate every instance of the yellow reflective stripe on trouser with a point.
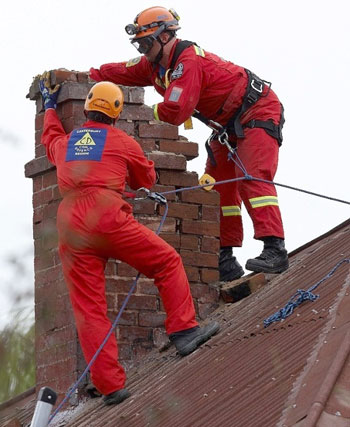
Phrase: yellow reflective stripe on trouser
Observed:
(259, 202)
(231, 210)
(199, 51)
(155, 112)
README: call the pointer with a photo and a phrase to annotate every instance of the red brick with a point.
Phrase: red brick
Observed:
(192, 273)
(46, 260)
(111, 269)
(204, 293)
(153, 223)
(139, 302)
(49, 236)
(38, 215)
(168, 160)
(134, 333)
(50, 178)
(147, 318)
(180, 179)
(147, 145)
(40, 150)
(37, 166)
(146, 286)
(73, 90)
(188, 149)
(181, 210)
(125, 270)
(189, 242)
(157, 130)
(50, 210)
(38, 134)
(71, 108)
(210, 244)
(205, 309)
(164, 188)
(204, 228)
(126, 126)
(201, 196)
(37, 184)
(136, 95)
(118, 285)
(136, 112)
(198, 259)
(39, 121)
(56, 195)
(128, 318)
(209, 275)
(62, 75)
(211, 213)
(52, 274)
(171, 238)
(68, 124)
(146, 206)
(83, 77)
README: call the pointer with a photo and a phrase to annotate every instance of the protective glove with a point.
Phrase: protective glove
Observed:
(49, 95)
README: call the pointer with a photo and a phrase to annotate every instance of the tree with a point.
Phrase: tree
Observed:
(17, 349)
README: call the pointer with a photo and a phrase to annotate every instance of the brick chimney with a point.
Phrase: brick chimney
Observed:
(191, 227)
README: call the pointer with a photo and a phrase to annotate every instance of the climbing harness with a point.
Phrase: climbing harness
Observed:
(299, 297)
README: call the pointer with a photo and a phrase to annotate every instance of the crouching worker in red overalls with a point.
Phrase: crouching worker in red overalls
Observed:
(94, 223)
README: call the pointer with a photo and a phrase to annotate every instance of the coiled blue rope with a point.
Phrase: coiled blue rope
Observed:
(299, 297)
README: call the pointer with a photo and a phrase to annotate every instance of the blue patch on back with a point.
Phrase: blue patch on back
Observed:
(86, 144)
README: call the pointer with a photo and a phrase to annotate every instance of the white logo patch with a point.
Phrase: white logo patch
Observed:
(177, 72)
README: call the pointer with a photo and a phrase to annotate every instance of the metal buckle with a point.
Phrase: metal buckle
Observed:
(157, 197)
(223, 138)
(258, 89)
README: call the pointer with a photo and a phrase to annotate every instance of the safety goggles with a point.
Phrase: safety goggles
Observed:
(144, 44)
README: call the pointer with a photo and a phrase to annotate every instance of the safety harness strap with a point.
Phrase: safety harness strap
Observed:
(253, 93)
(180, 47)
(271, 128)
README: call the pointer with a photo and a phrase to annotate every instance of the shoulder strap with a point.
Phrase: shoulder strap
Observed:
(180, 47)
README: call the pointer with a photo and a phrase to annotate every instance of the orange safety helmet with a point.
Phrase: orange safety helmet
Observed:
(150, 20)
(105, 97)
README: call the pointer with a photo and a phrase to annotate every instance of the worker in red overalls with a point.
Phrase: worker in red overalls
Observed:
(196, 82)
(94, 223)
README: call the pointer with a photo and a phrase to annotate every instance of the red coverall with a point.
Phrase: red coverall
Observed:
(215, 87)
(95, 223)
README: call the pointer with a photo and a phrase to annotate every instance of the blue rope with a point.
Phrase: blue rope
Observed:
(299, 297)
(114, 325)
(248, 177)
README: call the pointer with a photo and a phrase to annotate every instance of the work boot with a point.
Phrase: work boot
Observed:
(229, 267)
(116, 397)
(273, 258)
(189, 340)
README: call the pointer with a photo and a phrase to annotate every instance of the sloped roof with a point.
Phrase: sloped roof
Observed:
(248, 375)
(292, 373)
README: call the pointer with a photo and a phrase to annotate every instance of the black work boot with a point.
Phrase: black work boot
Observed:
(229, 267)
(190, 339)
(116, 397)
(273, 258)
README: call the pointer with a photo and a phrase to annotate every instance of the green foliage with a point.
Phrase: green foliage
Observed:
(17, 363)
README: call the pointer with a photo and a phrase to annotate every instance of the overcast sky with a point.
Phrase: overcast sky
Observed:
(302, 47)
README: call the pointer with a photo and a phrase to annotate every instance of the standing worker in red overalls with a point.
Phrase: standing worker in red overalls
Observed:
(196, 82)
(94, 223)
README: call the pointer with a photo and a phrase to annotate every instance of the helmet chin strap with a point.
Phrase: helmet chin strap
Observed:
(159, 56)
